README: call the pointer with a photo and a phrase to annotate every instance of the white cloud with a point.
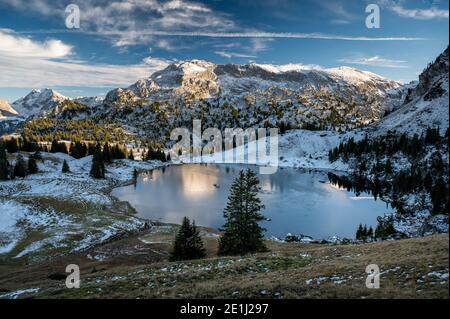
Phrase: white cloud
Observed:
(418, 14)
(128, 22)
(230, 55)
(131, 22)
(25, 47)
(375, 61)
(28, 63)
(266, 35)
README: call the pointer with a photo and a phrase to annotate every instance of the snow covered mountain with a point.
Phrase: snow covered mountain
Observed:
(37, 102)
(425, 103)
(6, 109)
(289, 96)
(230, 95)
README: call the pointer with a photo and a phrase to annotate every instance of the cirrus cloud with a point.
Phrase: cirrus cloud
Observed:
(376, 61)
(29, 63)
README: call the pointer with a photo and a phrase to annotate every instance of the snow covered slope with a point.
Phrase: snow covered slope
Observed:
(232, 95)
(37, 102)
(6, 110)
(425, 105)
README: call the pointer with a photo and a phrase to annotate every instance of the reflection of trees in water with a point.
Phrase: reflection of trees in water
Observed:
(288, 179)
(359, 184)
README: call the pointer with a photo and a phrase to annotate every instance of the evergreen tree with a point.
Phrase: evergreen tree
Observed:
(188, 243)
(58, 147)
(12, 146)
(98, 165)
(4, 165)
(131, 156)
(65, 167)
(107, 156)
(388, 167)
(439, 196)
(78, 150)
(385, 228)
(32, 166)
(242, 233)
(364, 233)
(359, 232)
(20, 168)
(36, 155)
(370, 232)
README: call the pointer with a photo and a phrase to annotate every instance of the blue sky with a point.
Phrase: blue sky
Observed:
(121, 41)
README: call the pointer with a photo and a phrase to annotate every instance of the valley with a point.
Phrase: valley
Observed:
(50, 218)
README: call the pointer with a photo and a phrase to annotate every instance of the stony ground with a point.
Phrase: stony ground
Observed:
(138, 267)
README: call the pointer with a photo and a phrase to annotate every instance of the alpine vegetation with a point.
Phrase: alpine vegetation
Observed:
(188, 243)
(241, 231)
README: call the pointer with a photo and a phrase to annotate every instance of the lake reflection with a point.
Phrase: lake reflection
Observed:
(296, 201)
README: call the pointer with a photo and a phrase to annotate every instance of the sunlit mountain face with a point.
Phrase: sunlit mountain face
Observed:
(139, 38)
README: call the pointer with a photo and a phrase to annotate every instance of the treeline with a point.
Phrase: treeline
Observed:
(384, 230)
(374, 169)
(21, 167)
(414, 147)
(47, 130)
(80, 149)
(75, 149)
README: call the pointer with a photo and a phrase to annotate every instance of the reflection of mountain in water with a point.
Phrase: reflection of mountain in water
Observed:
(296, 201)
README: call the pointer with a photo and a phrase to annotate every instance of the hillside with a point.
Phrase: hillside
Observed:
(287, 96)
(252, 95)
(425, 104)
(6, 110)
(37, 102)
(137, 267)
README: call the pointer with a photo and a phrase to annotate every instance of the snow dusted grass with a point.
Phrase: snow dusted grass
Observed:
(413, 268)
(51, 213)
(77, 185)
(38, 229)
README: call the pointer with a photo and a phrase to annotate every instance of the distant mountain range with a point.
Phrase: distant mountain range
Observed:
(232, 95)
(6, 110)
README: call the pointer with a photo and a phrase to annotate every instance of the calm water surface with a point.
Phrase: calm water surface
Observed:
(296, 201)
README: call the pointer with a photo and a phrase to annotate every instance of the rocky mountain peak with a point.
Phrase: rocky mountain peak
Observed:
(433, 81)
(38, 101)
(6, 109)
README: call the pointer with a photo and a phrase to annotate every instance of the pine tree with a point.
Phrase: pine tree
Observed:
(20, 168)
(188, 243)
(131, 156)
(385, 228)
(78, 150)
(4, 165)
(364, 233)
(439, 194)
(359, 232)
(242, 233)
(98, 166)
(370, 233)
(388, 167)
(32, 166)
(107, 156)
(65, 167)
(12, 146)
(36, 155)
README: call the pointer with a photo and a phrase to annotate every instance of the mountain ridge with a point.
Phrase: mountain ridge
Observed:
(6, 109)
(288, 96)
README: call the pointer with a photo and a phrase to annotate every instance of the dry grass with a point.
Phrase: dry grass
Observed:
(287, 271)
